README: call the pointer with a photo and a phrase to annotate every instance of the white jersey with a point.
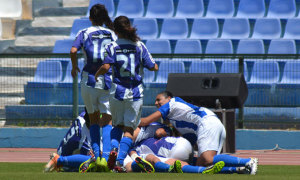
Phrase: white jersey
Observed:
(185, 117)
(149, 131)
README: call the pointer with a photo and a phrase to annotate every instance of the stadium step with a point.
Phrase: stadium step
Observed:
(62, 11)
(27, 49)
(38, 40)
(54, 21)
(45, 31)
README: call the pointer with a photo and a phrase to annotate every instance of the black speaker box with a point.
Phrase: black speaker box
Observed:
(228, 90)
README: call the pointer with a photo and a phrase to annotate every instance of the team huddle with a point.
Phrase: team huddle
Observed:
(111, 136)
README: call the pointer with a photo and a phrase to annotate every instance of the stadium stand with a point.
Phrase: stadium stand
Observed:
(158, 46)
(202, 66)
(109, 4)
(190, 9)
(292, 29)
(160, 9)
(130, 8)
(0, 29)
(282, 9)
(147, 28)
(11, 9)
(250, 46)
(282, 46)
(174, 28)
(219, 46)
(204, 28)
(48, 71)
(166, 67)
(291, 74)
(251, 9)
(62, 46)
(265, 72)
(78, 25)
(220, 9)
(267, 28)
(149, 76)
(236, 28)
(188, 46)
(232, 66)
(68, 78)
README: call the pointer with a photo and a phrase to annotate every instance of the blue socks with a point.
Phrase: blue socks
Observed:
(231, 161)
(192, 169)
(95, 137)
(116, 135)
(106, 130)
(135, 167)
(161, 167)
(72, 161)
(125, 146)
(228, 170)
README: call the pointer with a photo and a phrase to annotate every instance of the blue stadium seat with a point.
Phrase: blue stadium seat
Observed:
(68, 78)
(48, 72)
(291, 72)
(236, 28)
(202, 66)
(250, 46)
(146, 27)
(174, 28)
(232, 66)
(62, 46)
(292, 29)
(204, 28)
(189, 9)
(265, 72)
(251, 9)
(219, 46)
(166, 67)
(267, 28)
(109, 4)
(220, 9)
(160, 9)
(188, 46)
(130, 8)
(78, 25)
(148, 76)
(282, 46)
(158, 46)
(282, 9)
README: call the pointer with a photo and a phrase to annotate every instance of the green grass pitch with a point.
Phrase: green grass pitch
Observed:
(24, 171)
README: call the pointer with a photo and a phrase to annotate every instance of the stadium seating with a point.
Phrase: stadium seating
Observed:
(250, 46)
(282, 46)
(220, 9)
(202, 66)
(48, 72)
(291, 73)
(265, 72)
(130, 8)
(188, 46)
(174, 28)
(282, 9)
(267, 28)
(160, 9)
(148, 76)
(11, 9)
(236, 28)
(190, 9)
(292, 29)
(147, 28)
(232, 66)
(167, 67)
(62, 46)
(109, 4)
(68, 77)
(219, 46)
(251, 9)
(158, 46)
(78, 25)
(0, 29)
(204, 28)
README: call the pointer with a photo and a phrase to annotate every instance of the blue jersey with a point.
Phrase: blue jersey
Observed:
(128, 60)
(77, 140)
(185, 117)
(92, 40)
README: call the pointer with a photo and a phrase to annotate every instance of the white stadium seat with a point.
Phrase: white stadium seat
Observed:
(11, 8)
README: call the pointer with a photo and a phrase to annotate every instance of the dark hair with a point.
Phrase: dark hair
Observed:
(123, 27)
(166, 94)
(86, 118)
(99, 15)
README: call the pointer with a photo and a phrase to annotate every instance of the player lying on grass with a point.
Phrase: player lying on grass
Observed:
(200, 126)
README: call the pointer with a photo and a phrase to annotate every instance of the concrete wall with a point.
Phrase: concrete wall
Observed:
(51, 137)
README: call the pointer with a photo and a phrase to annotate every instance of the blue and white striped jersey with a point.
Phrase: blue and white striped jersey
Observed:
(185, 117)
(92, 40)
(149, 131)
(128, 60)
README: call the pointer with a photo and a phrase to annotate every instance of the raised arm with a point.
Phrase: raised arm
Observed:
(150, 119)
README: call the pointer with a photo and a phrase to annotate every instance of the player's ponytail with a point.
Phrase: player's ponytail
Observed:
(99, 16)
(123, 27)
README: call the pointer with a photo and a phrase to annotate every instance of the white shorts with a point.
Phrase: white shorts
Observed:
(94, 99)
(181, 151)
(126, 112)
(211, 135)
